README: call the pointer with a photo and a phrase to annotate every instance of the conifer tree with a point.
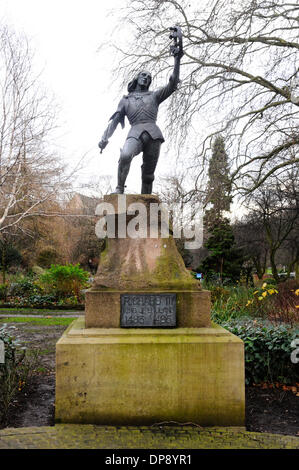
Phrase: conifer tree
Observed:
(224, 260)
(219, 186)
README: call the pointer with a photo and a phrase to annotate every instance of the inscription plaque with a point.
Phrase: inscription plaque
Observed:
(148, 310)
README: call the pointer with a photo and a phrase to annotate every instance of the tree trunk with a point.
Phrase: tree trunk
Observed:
(273, 266)
(4, 272)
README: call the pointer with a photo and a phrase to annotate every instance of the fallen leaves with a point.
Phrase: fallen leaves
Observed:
(291, 388)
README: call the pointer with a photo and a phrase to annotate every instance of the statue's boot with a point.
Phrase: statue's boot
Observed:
(123, 170)
(146, 188)
(118, 190)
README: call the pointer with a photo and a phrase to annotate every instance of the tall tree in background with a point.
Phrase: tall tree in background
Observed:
(224, 259)
(219, 184)
(238, 76)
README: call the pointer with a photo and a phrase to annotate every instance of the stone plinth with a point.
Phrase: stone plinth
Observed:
(102, 308)
(145, 376)
(148, 261)
(149, 264)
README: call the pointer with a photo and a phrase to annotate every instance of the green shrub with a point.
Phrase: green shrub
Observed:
(267, 350)
(66, 280)
(39, 300)
(23, 286)
(3, 291)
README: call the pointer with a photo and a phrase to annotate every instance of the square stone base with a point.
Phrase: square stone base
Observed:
(145, 376)
(102, 307)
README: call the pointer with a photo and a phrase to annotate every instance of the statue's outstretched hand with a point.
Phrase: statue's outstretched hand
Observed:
(176, 49)
(102, 144)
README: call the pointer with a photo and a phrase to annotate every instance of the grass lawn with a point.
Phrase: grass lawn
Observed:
(39, 321)
(34, 311)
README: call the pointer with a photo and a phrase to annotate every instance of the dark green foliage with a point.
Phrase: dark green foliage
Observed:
(58, 286)
(219, 187)
(225, 260)
(24, 286)
(9, 256)
(27, 291)
(267, 351)
(39, 300)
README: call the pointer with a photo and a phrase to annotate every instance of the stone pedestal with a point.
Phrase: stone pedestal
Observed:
(145, 376)
(111, 375)
(103, 308)
(149, 264)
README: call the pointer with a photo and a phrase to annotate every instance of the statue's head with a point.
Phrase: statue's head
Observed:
(143, 79)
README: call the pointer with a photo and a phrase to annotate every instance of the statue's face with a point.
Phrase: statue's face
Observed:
(144, 79)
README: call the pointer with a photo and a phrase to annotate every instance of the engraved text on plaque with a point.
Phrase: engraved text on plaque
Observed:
(148, 310)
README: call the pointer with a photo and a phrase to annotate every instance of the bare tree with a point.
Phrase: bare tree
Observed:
(274, 220)
(238, 76)
(30, 173)
(250, 237)
(98, 186)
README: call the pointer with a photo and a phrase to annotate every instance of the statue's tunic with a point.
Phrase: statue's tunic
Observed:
(141, 109)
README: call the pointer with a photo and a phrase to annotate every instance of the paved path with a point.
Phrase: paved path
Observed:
(75, 436)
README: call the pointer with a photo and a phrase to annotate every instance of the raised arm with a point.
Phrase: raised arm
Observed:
(176, 49)
(116, 118)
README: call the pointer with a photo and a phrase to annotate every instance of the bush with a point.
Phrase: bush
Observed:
(38, 300)
(65, 280)
(9, 256)
(267, 351)
(23, 286)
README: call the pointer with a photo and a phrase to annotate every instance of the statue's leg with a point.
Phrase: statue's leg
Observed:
(151, 154)
(131, 148)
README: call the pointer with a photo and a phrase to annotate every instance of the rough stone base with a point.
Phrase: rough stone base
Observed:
(145, 376)
(102, 308)
(84, 436)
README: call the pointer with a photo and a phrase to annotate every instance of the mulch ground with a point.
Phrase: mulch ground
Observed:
(272, 410)
(268, 410)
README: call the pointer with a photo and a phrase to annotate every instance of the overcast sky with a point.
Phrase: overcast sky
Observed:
(66, 35)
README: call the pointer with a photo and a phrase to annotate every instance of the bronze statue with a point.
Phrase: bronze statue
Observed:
(141, 108)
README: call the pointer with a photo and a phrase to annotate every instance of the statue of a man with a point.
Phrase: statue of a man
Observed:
(141, 108)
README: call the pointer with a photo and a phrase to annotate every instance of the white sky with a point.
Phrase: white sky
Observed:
(65, 35)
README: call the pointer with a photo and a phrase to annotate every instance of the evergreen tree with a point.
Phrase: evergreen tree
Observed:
(219, 186)
(225, 260)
